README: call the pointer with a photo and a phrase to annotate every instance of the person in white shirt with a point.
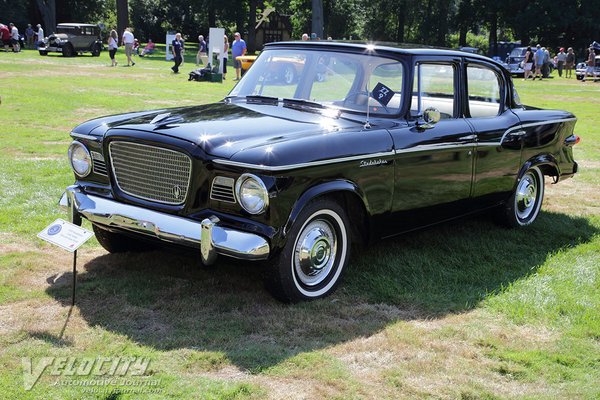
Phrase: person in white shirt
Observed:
(14, 37)
(113, 45)
(128, 40)
(40, 35)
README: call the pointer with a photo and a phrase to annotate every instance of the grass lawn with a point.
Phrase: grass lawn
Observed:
(464, 310)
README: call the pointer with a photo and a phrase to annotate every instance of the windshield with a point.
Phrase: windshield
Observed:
(518, 52)
(332, 79)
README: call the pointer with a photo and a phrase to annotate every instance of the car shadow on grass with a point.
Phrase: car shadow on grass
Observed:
(165, 300)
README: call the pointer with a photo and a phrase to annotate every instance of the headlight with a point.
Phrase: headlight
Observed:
(80, 159)
(252, 193)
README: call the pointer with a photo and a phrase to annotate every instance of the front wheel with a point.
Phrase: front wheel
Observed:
(96, 50)
(525, 203)
(43, 52)
(118, 243)
(317, 250)
(68, 50)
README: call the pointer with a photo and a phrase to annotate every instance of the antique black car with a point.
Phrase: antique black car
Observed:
(72, 38)
(387, 141)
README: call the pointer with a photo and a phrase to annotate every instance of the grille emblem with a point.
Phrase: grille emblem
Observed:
(177, 192)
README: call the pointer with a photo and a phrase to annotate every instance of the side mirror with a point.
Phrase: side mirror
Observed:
(431, 116)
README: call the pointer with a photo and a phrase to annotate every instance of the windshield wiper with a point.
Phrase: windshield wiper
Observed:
(302, 103)
(260, 99)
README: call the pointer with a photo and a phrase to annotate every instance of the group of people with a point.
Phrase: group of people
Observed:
(238, 48)
(11, 38)
(537, 61)
(131, 44)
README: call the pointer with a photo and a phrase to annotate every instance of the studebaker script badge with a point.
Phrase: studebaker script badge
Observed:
(373, 163)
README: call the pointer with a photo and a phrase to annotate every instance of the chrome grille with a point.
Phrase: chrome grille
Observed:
(150, 172)
(222, 189)
(98, 163)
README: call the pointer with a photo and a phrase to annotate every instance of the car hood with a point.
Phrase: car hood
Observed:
(62, 36)
(224, 129)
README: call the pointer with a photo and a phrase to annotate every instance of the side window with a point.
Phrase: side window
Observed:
(484, 92)
(434, 87)
(390, 75)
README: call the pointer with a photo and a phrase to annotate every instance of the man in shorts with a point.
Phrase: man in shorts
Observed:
(238, 48)
(128, 41)
(14, 38)
(591, 60)
(538, 59)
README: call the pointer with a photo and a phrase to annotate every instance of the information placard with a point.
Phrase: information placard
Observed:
(65, 235)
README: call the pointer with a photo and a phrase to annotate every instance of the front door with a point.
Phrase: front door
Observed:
(434, 164)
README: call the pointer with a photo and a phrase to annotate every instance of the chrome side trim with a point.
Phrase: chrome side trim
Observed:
(519, 127)
(440, 146)
(263, 167)
(170, 228)
(87, 137)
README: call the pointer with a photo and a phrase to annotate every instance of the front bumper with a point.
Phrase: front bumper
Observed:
(53, 49)
(207, 236)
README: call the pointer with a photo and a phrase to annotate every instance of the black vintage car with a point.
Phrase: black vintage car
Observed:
(72, 38)
(386, 141)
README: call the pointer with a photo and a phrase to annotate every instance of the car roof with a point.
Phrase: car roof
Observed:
(398, 48)
(75, 24)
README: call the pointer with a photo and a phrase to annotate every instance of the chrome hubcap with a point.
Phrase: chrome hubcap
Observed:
(289, 75)
(526, 196)
(315, 251)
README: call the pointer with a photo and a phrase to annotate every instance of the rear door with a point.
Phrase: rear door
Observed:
(497, 128)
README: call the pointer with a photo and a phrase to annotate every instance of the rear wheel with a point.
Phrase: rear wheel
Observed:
(525, 203)
(118, 243)
(313, 259)
(43, 53)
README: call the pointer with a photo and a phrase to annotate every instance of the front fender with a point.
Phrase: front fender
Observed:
(320, 190)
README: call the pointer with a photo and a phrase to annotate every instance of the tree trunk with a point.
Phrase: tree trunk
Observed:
(462, 36)
(48, 11)
(401, 16)
(493, 41)
(317, 18)
(251, 27)
(212, 15)
(122, 16)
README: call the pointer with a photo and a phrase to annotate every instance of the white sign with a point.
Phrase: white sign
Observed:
(169, 39)
(216, 46)
(65, 235)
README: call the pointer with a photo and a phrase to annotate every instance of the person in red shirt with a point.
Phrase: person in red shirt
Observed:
(5, 36)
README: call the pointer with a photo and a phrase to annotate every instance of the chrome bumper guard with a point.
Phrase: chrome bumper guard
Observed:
(207, 236)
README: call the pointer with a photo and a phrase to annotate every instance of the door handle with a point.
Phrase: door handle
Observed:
(469, 137)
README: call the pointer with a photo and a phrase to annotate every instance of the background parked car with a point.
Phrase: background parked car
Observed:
(73, 38)
(581, 68)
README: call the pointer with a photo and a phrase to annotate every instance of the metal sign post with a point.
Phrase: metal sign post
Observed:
(69, 237)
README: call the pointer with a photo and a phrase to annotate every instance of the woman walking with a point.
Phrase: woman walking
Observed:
(225, 51)
(177, 46)
(570, 64)
(527, 63)
(113, 46)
